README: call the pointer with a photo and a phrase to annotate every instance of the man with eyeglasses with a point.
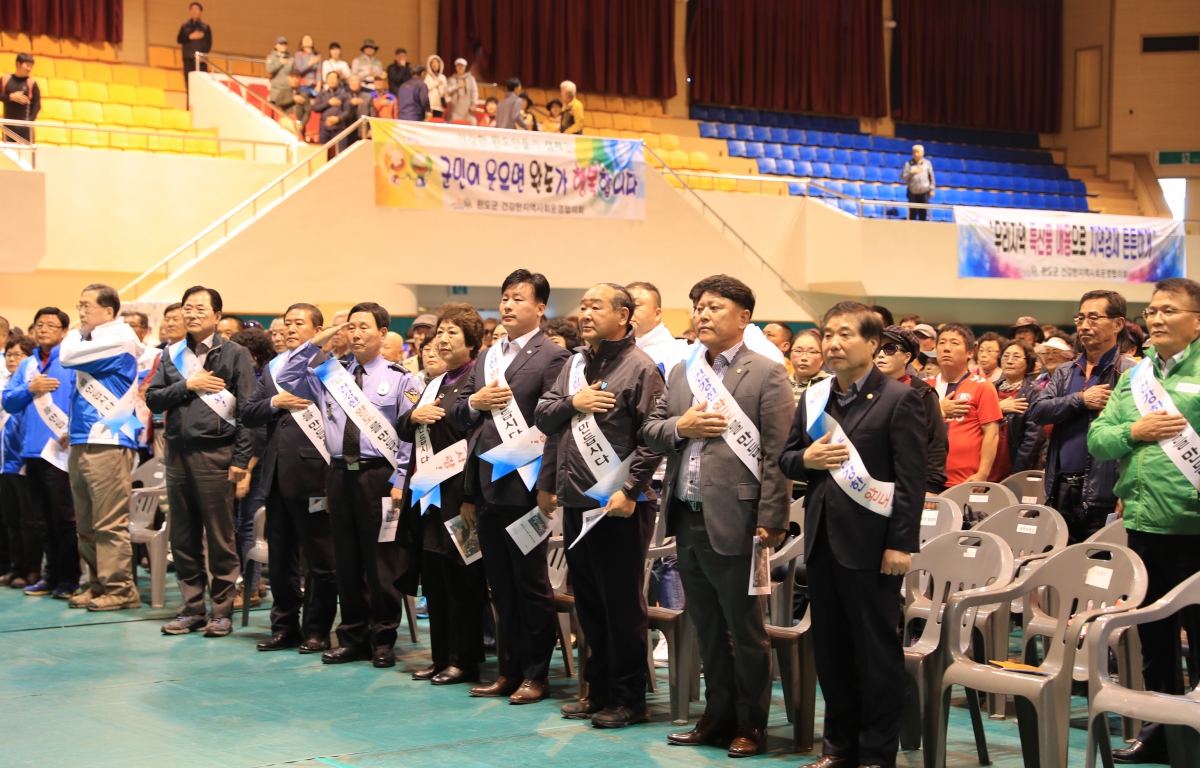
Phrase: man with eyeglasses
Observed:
(1149, 427)
(894, 359)
(1079, 485)
(43, 389)
(103, 351)
(203, 384)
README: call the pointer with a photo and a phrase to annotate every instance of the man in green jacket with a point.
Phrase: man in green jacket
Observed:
(1149, 425)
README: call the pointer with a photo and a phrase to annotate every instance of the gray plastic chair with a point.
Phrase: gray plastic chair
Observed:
(793, 646)
(143, 507)
(564, 603)
(1180, 714)
(940, 515)
(953, 563)
(257, 554)
(1113, 533)
(683, 648)
(1090, 579)
(1029, 486)
(979, 500)
(150, 474)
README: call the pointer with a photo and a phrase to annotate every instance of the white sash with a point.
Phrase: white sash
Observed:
(117, 414)
(51, 414)
(852, 476)
(1150, 395)
(741, 435)
(434, 468)
(608, 470)
(185, 361)
(356, 406)
(521, 446)
(308, 419)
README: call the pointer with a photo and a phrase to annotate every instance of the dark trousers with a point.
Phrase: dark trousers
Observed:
(290, 529)
(455, 595)
(918, 213)
(729, 624)
(201, 500)
(24, 553)
(50, 497)
(1170, 560)
(521, 592)
(366, 568)
(189, 66)
(1082, 520)
(860, 663)
(608, 571)
(24, 131)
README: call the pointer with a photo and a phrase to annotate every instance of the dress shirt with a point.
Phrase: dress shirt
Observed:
(1169, 363)
(688, 487)
(847, 397)
(201, 348)
(509, 349)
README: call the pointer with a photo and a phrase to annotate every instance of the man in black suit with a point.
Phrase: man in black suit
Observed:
(861, 523)
(294, 466)
(519, 370)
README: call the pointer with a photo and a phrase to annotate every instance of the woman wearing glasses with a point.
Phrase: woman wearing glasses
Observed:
(1020, 438)
(900, 347)
(808, 364)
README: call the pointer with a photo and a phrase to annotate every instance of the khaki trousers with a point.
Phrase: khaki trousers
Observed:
(101, 486)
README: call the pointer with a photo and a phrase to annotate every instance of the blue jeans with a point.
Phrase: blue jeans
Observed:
(670, 587)
(243, 524)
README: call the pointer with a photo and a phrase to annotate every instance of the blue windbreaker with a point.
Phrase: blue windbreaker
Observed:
(17, 398)
(106, 366)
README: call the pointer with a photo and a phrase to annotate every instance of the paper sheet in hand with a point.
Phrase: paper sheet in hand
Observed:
(590, 518)
(316, 504)
(465, 539)
(530, 530)
(55, 455)
(760, 569)
(390, 521)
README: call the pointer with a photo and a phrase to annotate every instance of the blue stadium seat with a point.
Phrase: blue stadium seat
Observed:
(1063, 186)
(816, 137)
(779, 135)
(726, 131)
(773, 150)
(954, 164)
(849, 206)
(852, 189)
(766, 165)
(1081, 204)
(895, 160)
(1006, 200)
(1008, 169)
(808, 153)
(1037, 201)
(874, 173)
(796, 136)
(717, 115)
(856, 173)
(861, 141)
(785, 168)
(751, 116)
(791, 151)
(698, 113)
(890, 175)
(943, 215)
(785, 120)
(796, 189)
(1078, 187)
(873, 211)
(835, 186)
(870, 191)
(734, 116)
(841, 156)
(745, 132)
(987, 167)
(1036, 184)
(860, 157)
(1021, 200)
(875, 158)
(737, 149)
(825, 155)
(708, 131)
(820, 170)
(968, 197)
(950, 179)
(762, 133)
(1053, 202)
(899, 192)
(987, 182)
(947, 196)
(768, 118)
(838, 171)
(755, 149)
(803, 168)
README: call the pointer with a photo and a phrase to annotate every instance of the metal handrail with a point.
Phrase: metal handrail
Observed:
(707, 210)
(163, 269)
(18, 144)
(246, 90)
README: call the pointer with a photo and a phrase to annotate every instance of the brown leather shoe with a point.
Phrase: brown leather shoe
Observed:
(530, 692)
(832, 761)
(504, 686)
(707, 731)
(748, 742)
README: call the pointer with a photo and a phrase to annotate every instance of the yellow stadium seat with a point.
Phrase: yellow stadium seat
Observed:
(73, 49)
(631, 135)
(622, 122)
(237, 154)
(652, 107)
(162, 57)
(177, 119)
(609, 133)
(151, 97)
(201, 147)
(175, 81)
(166, 144)
(125, 140)
(104, 52)
(44, 45)
(700, 182)
(154, 78)
(599, 119)
(149, 117)
(669, 141)
(673, 181)
(633, 105)
(57, 109)
(642, 124)
(122, 94)
(614, 104)
(537, 95)
(44, 68)
(68, 70)
(8, 63)
(677, 158)
(51, 135)
(725, 184)
(61, 89)
(93, 91)
(15, 42)
(88, 111)
(651, 140)
(98, 71)
(119, 114)
(43, 83)
(699, 160)
(653, 160)
(88, 138)
(126, 75)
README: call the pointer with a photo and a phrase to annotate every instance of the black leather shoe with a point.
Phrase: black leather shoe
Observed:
(314, 645)
(383, 658)
(454, 675)
(583, 709)
(428, 673)
(345, 654)
(1139, 752)
(279, 642)
(620, 716)
(708, 731)
(832, 761)
(748, 742)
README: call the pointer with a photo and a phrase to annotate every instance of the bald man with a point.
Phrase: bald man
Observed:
(393, 347)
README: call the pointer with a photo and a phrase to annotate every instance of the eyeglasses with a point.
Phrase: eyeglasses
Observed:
(805, 353)
(1166, 312)
(888, 350)
(83, 306)
(195, 311)
(1092, 318)
(47, 327)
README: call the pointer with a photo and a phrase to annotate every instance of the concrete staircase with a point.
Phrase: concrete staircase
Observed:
(1114, 197)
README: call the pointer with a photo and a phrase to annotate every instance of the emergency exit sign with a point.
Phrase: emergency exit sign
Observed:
(461, 290)
(1179, 158)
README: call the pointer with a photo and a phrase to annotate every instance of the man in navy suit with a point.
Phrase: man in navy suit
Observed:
(858, 441)
(504, 468)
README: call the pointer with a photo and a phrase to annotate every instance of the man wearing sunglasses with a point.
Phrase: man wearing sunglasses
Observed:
(1079, 485)
(894, 359)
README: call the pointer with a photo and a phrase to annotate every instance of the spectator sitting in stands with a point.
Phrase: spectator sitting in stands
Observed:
(488, 118)
(307, 62)
(22, 97)
(334, 64)
(331, 105)
(297, 104)
(510, 108)
(572, 115)
(398, 71)
(412, 100)
(366, 66)
(279, 64)
(360, 104)
(385, 104)
(553, 124)
(526, 120)
(462, 93)
(435, 81)
(564, 333)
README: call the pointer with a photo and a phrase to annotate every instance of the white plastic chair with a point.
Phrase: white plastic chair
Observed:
(142, 508)
(978, 500)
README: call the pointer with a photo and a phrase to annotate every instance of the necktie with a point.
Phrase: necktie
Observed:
(350, 452)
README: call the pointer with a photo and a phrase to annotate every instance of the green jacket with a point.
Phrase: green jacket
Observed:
(1157, 497)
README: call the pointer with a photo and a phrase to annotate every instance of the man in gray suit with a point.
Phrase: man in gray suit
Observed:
(722, 425)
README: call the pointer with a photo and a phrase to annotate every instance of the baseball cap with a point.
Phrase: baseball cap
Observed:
(461, 61)
(426, 320)
(926, 330)
(280, 39)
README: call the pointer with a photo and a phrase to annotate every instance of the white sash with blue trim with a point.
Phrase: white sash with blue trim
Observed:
(117, 414)
(521, 445)
(1150, 395)
(434, 468)
(308, 419)
(341, 387)
(852, 476)
(186, 362)
(610, 472)
(741, 435)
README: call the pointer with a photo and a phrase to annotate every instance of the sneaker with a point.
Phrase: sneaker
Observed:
(218, 627)
(81, 600)
(255, 600)
(183, 624)
(108, 602)
(66, 591)
(661, 656)
(422, 608)
(39, 589)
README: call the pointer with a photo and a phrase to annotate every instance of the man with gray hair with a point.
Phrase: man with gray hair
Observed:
(918, 173)
(572, 114)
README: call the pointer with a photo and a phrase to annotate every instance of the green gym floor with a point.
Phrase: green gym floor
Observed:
(90, 690)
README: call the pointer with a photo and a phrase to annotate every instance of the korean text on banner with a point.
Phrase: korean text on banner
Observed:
(1050, 245)
(484, 170)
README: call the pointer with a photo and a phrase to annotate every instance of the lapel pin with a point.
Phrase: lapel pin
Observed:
(739, 370)
(870, 396)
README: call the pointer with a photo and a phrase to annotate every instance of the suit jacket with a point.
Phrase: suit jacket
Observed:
(530, 375)
(735, 503)
(886, 423)
(289, 454)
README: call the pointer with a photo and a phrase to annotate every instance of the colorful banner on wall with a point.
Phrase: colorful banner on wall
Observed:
(519, 173)
(1050, 245)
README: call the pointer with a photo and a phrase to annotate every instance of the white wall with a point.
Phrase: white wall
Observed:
(213, 105)
(23, 199)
